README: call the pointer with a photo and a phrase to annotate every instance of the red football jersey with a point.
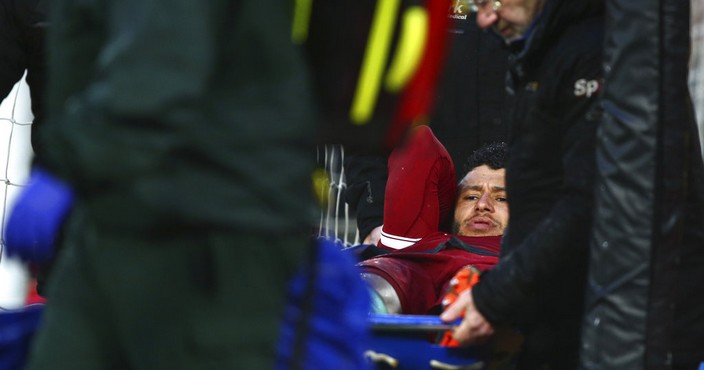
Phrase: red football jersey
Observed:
(421, 273)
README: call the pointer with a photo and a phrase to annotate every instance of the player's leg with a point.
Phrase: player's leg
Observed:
(420, 192)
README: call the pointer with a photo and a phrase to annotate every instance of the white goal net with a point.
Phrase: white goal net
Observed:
(336, 221)
(15, 160)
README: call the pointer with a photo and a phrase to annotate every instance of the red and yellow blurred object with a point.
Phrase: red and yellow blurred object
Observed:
(463, 280)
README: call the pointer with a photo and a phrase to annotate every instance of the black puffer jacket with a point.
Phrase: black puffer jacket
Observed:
(22, 29)
(554, 78)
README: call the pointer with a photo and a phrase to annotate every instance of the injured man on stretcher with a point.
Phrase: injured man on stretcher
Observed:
(438, 235)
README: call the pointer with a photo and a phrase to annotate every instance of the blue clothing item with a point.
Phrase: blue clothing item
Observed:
(17, 329)
(37, 216)
(326, 327)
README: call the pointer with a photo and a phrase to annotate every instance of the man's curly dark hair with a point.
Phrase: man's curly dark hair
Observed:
(492, 154)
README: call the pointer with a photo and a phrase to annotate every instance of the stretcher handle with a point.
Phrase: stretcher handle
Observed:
(410, 323)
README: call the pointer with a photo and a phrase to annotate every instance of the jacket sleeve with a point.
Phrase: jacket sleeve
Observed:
(366, 184)
(556, 249)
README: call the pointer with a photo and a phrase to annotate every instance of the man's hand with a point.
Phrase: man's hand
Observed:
(474, 329)
(37, 217)
(373, 237)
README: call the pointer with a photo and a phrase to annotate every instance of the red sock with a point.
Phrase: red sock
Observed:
(420, 191)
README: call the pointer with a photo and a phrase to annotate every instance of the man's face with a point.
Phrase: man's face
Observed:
(482, 207)
(512, 19)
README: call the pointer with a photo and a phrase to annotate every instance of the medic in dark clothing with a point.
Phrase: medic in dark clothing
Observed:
(554, 77)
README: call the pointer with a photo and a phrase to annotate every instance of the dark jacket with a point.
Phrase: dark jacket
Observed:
(22, 29)
(198, 128)
(553, 83)
(471, 94)
(688, 333)
(466, 115)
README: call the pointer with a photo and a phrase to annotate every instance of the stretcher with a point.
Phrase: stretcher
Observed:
(406, 342)
(403, 342)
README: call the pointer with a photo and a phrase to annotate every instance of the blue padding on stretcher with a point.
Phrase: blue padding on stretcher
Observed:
(410, 322)
(405, 342)
(17, 328)
(336, 330)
